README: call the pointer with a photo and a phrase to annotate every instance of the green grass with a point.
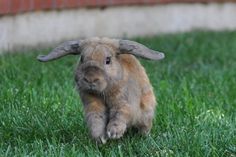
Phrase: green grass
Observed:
(41, 113)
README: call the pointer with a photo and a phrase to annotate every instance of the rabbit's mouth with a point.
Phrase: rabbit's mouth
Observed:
(96, 86)
(97, 89)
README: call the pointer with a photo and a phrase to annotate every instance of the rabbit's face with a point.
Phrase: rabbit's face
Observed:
(98, 68)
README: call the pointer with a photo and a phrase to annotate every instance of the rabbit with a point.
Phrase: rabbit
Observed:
(113, 86)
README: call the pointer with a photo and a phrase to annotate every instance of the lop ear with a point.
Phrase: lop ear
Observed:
(137, 49)
(66, 48)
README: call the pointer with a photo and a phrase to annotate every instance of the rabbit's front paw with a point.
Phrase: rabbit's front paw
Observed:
(99, 136)
(101, 140)
(116, 130)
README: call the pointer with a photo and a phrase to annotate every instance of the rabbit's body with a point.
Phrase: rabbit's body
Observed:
(138, 90)
(114, 87)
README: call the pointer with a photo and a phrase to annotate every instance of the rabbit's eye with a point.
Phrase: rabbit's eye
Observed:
(108, 60)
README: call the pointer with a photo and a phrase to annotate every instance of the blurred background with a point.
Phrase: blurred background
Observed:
(34, 23)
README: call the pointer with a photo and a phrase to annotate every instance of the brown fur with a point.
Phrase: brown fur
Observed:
(128, 99)
(114, 87)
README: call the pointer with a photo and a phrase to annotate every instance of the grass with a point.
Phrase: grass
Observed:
(41, 113)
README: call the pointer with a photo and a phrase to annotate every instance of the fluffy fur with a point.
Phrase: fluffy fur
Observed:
(114, 88)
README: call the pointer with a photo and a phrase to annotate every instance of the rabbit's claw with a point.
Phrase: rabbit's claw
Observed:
(115, 131)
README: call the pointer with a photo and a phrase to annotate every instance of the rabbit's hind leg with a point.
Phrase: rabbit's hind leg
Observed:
(147, 106)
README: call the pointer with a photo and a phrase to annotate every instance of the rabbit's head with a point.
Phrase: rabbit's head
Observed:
(99, 66)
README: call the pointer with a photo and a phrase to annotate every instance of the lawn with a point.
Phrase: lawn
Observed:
(41, 113)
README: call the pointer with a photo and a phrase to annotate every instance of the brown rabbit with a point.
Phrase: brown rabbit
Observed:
(113, 85)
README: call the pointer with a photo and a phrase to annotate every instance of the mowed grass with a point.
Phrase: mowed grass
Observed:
(195, 85)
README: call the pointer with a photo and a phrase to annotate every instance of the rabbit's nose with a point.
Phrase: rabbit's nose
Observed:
(91, 80)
